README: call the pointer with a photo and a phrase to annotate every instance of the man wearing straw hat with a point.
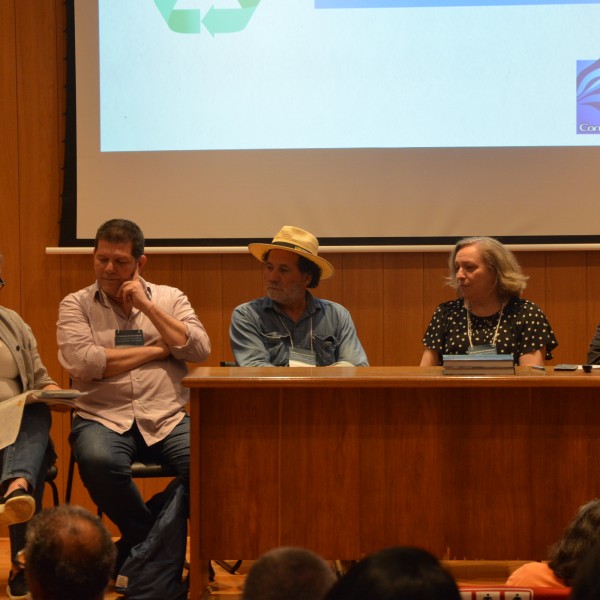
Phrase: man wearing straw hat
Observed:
(289, 326)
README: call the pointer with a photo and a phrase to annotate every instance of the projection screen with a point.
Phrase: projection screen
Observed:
(377, 122)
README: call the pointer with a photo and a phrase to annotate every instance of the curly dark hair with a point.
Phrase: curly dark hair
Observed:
(582, 533)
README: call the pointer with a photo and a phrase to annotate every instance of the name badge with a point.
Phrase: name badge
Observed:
(127, 338)
(302, 358)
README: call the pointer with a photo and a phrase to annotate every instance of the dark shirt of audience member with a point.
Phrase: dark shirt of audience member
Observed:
(399, 573)
(69, 555)
(586, 584)
(580, 536)
(288, 574)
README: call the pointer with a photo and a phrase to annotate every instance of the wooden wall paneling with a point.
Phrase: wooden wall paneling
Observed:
(363, 294)
(565, 459)
(491, 480)
(9, 160)
(333, 288)
(242, 281)
(435, 289)
(242, 492)
(534, 266)
(164, 269)
(566, 296)
(402, 308)
(395, 426)
(203, 284)
(593, 295)
(76, 273)
(319, 437)
(61, 76)
(39, 146)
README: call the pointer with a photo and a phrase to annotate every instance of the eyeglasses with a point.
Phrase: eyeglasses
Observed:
(2, 284)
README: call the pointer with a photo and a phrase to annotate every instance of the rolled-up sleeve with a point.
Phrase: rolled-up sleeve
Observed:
(78, 351)
(350, 348)
(197, 346)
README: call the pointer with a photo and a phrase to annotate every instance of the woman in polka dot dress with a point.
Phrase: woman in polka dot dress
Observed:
(489, 315)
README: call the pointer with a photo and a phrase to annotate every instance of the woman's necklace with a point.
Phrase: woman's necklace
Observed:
(470, 328)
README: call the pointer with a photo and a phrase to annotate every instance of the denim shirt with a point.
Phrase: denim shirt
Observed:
(261, 334)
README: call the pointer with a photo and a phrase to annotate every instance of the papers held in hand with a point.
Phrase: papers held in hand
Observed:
(11, 410)
(478, 364)
(56, 397)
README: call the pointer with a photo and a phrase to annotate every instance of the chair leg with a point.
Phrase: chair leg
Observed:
(231, 569)
(54, 492)
(70, 475)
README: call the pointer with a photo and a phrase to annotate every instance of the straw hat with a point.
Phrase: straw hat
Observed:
(298, 241)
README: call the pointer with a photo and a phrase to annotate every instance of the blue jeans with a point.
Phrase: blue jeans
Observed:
(104, 458)
(29, 457)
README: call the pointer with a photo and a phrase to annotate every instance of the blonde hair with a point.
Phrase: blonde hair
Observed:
(510, 279)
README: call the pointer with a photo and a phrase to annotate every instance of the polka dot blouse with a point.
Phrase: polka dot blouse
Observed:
(523, 329)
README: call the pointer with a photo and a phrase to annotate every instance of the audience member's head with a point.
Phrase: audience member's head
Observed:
(582, 533)
(401, 573)
(288, 574)
(586, 584)
(69, 555)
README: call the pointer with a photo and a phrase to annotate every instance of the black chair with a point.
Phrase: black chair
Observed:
(51, 481)
(139, 470)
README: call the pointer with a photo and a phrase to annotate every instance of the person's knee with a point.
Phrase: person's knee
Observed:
(101, 467)
(97, 461)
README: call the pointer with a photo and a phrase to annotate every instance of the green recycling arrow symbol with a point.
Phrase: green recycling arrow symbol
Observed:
(216, 20)
(229, 20)
(179, 20)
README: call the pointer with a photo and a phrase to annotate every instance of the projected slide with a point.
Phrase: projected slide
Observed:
(270, 74)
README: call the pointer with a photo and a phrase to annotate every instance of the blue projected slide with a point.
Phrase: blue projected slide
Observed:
(273, 74)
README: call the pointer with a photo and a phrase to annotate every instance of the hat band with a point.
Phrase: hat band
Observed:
(293, 247)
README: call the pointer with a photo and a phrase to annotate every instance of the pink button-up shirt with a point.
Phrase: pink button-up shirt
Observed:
(152, 394)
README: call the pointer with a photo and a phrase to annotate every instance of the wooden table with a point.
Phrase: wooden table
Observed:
(349, 460)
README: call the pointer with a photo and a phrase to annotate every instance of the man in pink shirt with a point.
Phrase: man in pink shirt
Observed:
(125, 342)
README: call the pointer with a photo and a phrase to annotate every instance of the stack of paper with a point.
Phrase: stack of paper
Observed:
(478, 364)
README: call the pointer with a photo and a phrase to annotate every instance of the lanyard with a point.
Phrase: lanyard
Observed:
(470, 330)
(288, 332)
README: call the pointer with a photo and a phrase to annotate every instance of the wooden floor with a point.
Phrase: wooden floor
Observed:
(229, 587)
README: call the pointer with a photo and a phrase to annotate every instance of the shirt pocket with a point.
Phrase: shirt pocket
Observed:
(326, 349)
(277, 345)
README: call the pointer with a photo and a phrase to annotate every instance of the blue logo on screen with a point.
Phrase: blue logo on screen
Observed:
(588, 97)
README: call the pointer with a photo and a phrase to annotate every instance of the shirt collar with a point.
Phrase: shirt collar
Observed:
(312, 306)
